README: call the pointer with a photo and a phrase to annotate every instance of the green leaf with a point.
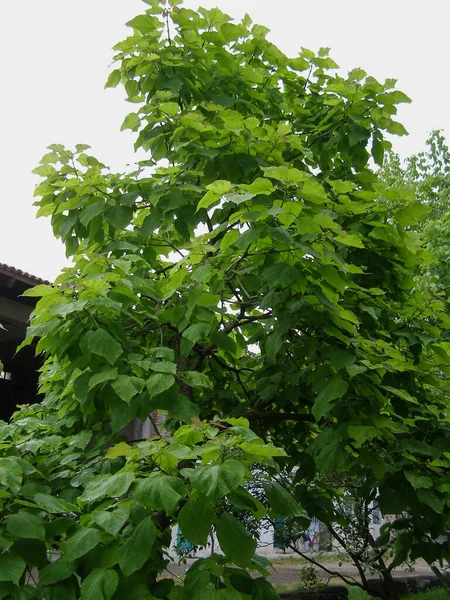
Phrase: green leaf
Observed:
(196, 519)
(281, 503)
(273, 345)
(282, 274)
(178, 407)
(82, 542)
(40, 291)
(54, 505)
(198, 380)
(112, 486)
(333, 389)
(431, 499)
(342, 187)
(102, 376)
(224, 341)
(113, 79)
(160, 492)
(349, 240)
(164, 367)
(132, 121)
(377, 150)
(111, 521)
(127, 387)
(144, 23)
(220, 187)
(314, 192)
(208, 200)
(159, 382)
(11, 567)
(285, 174)
(259, 186)
(258, 448)
(100, 584)
(215, 481)
(169, 108)
(196, 332)
(120, 216)
(418, 481)
(100, 342)
(235, 541)
(120, 449)
(396, 128)
(138, 547)
(91, 211)
(228, 239)
(26, 525)
(60, 569)
(243, 500)
(362, 433)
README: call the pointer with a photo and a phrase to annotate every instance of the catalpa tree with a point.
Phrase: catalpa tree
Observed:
(245, 281)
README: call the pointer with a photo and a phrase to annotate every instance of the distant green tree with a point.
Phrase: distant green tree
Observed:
(426, 176)
(247, 280)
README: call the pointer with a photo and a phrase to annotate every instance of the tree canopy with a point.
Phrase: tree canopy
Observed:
(426, 176)
(247, 280)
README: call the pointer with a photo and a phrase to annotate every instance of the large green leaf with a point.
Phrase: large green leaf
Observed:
(196, 519)
(158, 383)
(258, 448)
(10, 474)
(281, 502)
(215, 481)
(418, 481)
(102, 376)
(60, 569)
(198, 380)
(160, 492)
(126, 387)
(138, 547)
(144, 23)
(111, 521)
(54, 505)
(82, 542)
(120, 216)
(100, 584)
(235, 541)
(26, 525)
(112, 486)
(12, 567)
(100, 342)
(332, 390)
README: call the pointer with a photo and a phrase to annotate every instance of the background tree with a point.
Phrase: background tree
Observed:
(427, 177)
(246, 273)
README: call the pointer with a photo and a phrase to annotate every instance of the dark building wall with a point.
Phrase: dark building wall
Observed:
(19, 381)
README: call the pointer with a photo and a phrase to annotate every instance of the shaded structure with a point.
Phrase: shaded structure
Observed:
(19, 378)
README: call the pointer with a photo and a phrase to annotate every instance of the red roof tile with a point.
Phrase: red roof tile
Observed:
(21, 275)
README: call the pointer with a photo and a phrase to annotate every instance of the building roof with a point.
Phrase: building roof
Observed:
(20, 275)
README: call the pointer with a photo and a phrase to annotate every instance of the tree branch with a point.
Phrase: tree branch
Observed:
(350, 581)
(259, 415)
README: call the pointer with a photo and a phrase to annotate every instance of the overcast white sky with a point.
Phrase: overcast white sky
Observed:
(55, 57)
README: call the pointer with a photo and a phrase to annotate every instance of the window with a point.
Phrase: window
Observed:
(278, 526)
(375, 513)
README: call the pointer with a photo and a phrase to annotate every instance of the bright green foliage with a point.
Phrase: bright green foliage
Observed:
(246, 273)
(426, 176)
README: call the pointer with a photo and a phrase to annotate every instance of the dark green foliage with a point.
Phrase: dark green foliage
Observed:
(248, 280)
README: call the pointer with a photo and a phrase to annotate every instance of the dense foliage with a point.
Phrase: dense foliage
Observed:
(248, 281)
(426, 176)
